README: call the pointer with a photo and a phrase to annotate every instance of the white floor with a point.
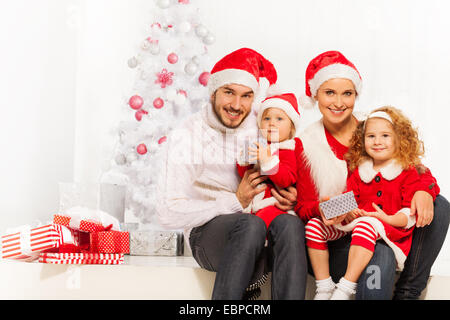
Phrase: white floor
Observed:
(156, 278)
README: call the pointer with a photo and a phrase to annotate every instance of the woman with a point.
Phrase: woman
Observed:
(334, 83)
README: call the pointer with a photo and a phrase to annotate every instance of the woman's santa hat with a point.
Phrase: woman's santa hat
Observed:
(286, 102)
(326, 66)
(244, 67)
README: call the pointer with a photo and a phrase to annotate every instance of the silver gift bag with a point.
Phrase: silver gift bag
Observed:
(156, 243)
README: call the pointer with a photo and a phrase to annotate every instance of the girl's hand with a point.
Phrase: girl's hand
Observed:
(352, 215)
(261, 154)
(333, 221)
(378, 213)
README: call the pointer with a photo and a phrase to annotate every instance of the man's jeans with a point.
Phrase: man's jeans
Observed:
(377, 281)
(232, 245)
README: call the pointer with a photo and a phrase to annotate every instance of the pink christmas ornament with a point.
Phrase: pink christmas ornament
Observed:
(184, 93)
(141, 149)
(204, 78)
(162, 140)
(183, 1)
(158, 103)
(172, 58)
(139, 114)
(136, 102)
(164, 78)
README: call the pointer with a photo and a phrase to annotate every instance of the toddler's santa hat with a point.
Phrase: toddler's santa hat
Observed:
(244, 67)
(286, 102)
(326, 66)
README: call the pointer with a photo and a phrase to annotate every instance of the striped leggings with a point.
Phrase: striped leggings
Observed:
(318, 234)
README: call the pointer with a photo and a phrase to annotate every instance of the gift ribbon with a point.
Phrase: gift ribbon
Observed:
(25, 240)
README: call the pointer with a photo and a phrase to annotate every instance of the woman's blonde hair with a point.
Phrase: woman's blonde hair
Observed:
(409, 148)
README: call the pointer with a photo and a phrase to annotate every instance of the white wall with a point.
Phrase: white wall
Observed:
(64, 76)
(37, 81)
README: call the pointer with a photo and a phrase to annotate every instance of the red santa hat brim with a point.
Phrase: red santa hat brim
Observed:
(282, 104)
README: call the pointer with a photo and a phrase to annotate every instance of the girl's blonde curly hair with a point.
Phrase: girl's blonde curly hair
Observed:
(409, 148)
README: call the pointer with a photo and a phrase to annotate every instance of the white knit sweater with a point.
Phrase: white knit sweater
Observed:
(199, 179)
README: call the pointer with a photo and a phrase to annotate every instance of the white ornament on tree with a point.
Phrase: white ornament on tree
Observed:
(163, 4)
(191, 68)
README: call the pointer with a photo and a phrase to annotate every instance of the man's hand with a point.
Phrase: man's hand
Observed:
(286, 198)
(248, 188)
(422, 204)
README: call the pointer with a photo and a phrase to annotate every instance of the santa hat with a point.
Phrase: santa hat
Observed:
(326, 66)
(244, 67)
(286, 102)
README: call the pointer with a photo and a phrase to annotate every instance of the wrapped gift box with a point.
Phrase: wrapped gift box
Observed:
(26, 243)
(80, 225)
(110, 242)
(81, 258)
(156, 243)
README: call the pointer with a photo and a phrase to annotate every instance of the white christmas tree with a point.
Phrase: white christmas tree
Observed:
(171, 77)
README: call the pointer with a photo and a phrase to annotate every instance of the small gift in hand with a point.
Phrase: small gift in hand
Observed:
(339, 205)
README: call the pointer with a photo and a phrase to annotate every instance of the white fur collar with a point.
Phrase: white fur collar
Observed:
(285, 145)
(328, 172)
(391, 171)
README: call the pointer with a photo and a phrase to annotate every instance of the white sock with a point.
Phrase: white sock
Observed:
(325, 283)
(324, 289)
(344, 290)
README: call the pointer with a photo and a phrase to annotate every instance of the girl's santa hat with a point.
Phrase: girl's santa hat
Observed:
(286, 102)
(326, 66)
(244, 67)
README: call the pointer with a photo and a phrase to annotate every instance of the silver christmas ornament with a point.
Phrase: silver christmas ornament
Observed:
(201, 31)
(209, 39)
(133, 62)
(163, 4)
(191, 68)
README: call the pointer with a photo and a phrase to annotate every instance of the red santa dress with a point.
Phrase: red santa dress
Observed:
(282, 172)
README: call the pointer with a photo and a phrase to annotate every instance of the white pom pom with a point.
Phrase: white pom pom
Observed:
(273, 90)
(306, 102)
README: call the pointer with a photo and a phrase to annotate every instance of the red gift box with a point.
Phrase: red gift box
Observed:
(28, 242)
(81, 258)
(110, 242)
(84, 225)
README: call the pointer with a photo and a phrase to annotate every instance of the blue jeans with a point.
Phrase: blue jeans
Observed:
(233, 246)
(378, 279)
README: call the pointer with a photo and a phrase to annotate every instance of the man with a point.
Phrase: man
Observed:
(201, 191)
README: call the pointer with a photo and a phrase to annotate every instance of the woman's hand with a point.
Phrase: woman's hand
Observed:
(333, 221)
(248, 188)
(422, 205)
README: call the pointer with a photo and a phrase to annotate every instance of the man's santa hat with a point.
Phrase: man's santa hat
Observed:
(286, 102)
(244, 67)
(326, 66)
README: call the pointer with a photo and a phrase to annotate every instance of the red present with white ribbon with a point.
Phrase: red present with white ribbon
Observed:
(87, 220)
(25, 243)
(81, 258)
(110, 242)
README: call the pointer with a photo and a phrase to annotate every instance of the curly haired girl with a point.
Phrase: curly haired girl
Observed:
(383, 156)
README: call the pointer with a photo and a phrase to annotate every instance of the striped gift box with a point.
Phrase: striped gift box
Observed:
(27, 242)
(81, 258)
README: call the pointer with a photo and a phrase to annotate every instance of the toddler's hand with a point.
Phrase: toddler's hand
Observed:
(261, 154)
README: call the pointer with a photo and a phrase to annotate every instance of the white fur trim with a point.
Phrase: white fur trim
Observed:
(334, 71)
(273, 90)
(286, 145)
(378, 226)
(411, 218)
(328, 172)
(232, 76)
(280, 104)
(391, 171)
(263, 203)
(306, 102)
(271, 167)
